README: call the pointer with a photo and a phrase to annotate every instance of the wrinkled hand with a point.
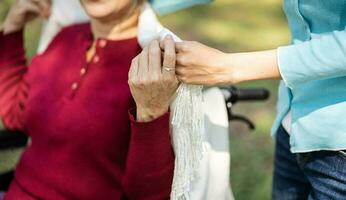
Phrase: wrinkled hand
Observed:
(24, 11)
(152, 86)
(201, 65)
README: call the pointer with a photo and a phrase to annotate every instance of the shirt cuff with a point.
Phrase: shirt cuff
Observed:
(153, 130)
(286, 63)
(1, 40)
(13, 45)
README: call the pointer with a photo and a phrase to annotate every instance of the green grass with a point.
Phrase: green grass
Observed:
(232, 26)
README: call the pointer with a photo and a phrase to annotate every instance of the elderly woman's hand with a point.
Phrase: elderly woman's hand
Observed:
(23, 11)
(201, 65)
(152, 85)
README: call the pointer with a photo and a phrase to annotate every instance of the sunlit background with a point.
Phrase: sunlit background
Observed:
(232, 26)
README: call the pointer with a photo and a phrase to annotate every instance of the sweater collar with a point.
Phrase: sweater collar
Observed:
(149, 28)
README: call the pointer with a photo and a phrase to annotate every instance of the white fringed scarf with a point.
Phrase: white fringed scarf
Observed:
(187, 119)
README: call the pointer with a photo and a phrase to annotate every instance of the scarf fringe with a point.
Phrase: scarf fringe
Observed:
(187, 137)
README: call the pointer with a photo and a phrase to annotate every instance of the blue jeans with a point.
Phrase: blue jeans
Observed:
(319, 175)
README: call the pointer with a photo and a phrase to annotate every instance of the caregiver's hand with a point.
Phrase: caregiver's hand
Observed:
(201, 65)
(152, 86)
(24, 11)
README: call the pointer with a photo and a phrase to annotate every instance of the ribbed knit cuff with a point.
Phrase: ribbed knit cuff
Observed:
(12, 47)
(157, 128)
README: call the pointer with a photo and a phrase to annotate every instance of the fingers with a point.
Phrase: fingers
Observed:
(179, 71)
(32, 7)
(134, 68)
(143, 64)
(169, 58)
(45, 6)
(184, 75)
(181, 60)
(181, 47)
(198, 80)
(150, 62)
(155, 59)
(37, 7)
(185, 50)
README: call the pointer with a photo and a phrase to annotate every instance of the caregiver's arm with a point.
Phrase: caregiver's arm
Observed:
(200, 64)
(317, 59)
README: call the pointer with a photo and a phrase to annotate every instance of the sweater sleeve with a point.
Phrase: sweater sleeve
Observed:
(150, 162)
(320, 58)
(13, 87)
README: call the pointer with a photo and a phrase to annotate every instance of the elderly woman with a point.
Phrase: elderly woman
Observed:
(94, 136)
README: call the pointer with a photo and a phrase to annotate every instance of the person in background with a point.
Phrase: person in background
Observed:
(310, 129)
(97, 113)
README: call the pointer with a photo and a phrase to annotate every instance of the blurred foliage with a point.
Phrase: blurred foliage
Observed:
(236, 26)
(232, 26)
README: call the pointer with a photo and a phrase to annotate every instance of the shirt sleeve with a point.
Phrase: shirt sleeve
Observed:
(150, 162)
(13, 87)
(320, 58)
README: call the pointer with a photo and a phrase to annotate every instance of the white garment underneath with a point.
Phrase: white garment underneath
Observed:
(287, 122)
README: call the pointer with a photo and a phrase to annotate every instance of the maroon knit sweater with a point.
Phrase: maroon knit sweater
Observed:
(86, 143)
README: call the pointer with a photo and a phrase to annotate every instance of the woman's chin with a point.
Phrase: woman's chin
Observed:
(103, 9)
(96, 9)
(98, 13)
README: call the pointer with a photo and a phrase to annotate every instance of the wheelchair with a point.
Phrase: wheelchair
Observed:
(232, 95)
